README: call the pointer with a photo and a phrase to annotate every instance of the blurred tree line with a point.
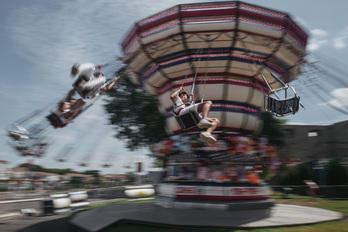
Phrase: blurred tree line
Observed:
(38, 168)
(134, 114)
(336, 173)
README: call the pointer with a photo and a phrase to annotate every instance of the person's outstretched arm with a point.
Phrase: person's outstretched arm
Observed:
(173, 96)
(107, 88)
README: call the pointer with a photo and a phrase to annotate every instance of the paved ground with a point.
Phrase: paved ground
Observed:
(11, 203)
(32, 224)
(149, 213)
(13, 219)
(12, 208)
(97, 219)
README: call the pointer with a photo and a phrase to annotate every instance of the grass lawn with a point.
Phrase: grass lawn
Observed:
(340, 206)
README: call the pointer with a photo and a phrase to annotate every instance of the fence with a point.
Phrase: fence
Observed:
(325, 191)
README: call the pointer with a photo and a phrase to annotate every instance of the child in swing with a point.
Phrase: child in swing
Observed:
(180, 98)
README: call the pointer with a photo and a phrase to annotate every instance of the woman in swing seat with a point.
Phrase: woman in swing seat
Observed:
(180, 98)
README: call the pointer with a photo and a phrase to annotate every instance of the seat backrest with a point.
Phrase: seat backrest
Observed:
(55, 121)
(77, 86)
(282, 107)
(188, 120)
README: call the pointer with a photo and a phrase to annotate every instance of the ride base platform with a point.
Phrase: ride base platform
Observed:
(108, 218)
(202, 204)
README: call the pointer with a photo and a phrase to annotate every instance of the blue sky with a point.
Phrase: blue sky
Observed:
(41, 39)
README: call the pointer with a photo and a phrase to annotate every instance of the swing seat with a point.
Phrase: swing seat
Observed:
(282, 107)
(17, 135)
(188, 120)
(89, 93)
(55, 121)
(78, 87)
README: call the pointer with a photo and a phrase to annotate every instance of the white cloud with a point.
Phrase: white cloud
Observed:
(341, 93)
(319, 32)
(55, 35)
(92, 117)
(300, 21)
(55, 39)
(340, 97)
(342, 39)
(295, 123)
(317, 39)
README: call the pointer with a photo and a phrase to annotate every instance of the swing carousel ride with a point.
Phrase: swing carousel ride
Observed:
(241, 57)
(237, 55)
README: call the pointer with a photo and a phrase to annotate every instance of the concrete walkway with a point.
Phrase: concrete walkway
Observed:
(12, 208)
(292, 215)
(13, 216)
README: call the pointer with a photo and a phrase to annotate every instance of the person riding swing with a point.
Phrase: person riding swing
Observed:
(180, 99)
(89, 83)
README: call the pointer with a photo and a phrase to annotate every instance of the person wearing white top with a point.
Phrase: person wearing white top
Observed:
(89, 83)
(85, 70)
(180, 98)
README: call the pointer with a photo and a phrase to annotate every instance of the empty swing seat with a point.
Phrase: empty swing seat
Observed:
(188, 120)
(282, 107)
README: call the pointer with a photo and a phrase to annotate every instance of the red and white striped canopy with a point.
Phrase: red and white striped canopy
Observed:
(222, 46)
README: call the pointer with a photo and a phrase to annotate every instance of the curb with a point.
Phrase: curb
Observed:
(22, 200)
(8, 216)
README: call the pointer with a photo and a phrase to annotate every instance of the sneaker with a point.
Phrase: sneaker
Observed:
(204, 123)
(207, 137)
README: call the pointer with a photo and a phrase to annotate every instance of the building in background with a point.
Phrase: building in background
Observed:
(309, 143)
(5, 171)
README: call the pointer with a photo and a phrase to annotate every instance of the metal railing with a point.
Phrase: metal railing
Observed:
(324, 191)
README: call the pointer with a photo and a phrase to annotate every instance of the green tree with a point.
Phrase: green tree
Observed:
(130, 176)
(158, 163)
(272, 129)
(76, 180)
(290, 177)
(33, 167)
(305, 172)
(337, 174)
(59, 171)
(96, 176)
(38, 168)
(94, 173)
(297, 175)
(134, 113)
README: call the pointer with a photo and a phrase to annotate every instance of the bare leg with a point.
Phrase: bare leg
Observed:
(69, 95)
(204, 108)
(215, 122)
(77, 105)
(206, 136)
